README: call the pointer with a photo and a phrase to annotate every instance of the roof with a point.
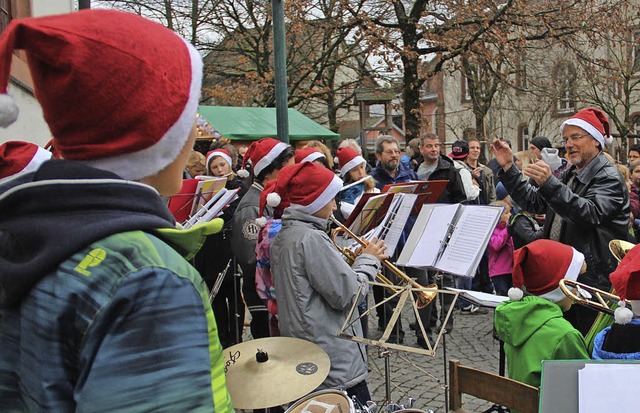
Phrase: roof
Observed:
(240, 123)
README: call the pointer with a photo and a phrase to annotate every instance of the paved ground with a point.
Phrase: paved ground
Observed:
(422, 377)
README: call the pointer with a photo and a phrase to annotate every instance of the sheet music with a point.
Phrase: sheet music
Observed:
(469, 239)
(429, 244)
(228, 196)
(398, 213)
(608, 387)
(367, 213)
(480, 298)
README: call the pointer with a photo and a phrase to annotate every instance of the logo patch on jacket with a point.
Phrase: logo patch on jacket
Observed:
(250, 230)
(92, 259)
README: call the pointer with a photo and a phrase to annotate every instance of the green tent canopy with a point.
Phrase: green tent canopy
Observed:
(238, 123)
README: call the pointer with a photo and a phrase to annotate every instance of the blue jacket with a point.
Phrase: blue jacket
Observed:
(382, 177)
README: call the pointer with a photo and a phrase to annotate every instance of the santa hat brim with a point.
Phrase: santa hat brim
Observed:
(325, 197)
(351, 164)
(571, 274)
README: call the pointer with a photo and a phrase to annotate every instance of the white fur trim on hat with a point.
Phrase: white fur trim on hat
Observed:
(220, 154)
(571, 274)
(8, 110)
(151, 160)
(313, 156)
(273, 199)
(41, 155)
(269, 157)
(327, 195)
(589, 128)
(351, 164)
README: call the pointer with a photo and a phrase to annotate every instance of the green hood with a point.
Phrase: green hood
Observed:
(517, 321)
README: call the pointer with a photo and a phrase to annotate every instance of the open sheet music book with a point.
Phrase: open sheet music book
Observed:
(450, 238)
(480, 298)
(194, 193)
(390, 229)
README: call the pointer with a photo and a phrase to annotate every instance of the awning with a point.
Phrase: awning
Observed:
(238, 123)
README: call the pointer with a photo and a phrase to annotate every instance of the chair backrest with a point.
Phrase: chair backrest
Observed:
(491, 387)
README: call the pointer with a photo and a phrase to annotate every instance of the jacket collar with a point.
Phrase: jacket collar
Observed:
(589, 172)
(295, 215)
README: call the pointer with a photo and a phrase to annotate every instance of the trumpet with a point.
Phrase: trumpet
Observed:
(424, 298)
(590, 297)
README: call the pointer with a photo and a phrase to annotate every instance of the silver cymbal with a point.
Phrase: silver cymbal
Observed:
(273, 371)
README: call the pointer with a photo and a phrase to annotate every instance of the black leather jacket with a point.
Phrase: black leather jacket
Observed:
(595, 210)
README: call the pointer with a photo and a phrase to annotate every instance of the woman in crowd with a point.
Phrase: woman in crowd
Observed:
(215, 259)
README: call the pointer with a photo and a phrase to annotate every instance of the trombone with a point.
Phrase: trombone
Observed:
(590, 297)
(424, 297)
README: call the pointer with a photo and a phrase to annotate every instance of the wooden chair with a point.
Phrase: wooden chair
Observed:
(490, 387)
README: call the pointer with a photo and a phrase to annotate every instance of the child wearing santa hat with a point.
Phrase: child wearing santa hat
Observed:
(263, 160)
(622, 340)
(532, 326)
(352, 167)
(100, 308)
(215, 257)
(316, 288)
(309, 154)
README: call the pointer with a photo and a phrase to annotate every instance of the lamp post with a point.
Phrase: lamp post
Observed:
(280, 66)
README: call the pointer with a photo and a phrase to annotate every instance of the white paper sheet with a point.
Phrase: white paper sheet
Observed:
(608, 388)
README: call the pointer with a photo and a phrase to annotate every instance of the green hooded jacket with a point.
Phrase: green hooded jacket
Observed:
(533, 330)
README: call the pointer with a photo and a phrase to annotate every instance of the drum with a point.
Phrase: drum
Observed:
(323, 401)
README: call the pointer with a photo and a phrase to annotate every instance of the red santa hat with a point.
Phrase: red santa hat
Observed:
(260, 155)
(18, 157)
(119, 92)
(308, 154)
(539, 267)
(269, 197)
(594, 122)
(307, 186)
(347, 159)
(626, 282)
(223, 153)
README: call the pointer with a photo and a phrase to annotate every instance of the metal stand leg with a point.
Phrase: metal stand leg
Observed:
(439, 282)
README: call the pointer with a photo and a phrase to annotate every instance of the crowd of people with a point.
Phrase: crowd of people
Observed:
(104, 298)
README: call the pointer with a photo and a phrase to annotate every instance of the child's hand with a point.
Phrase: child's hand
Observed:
(376, 248)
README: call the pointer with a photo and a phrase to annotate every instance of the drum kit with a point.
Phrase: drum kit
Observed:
(276, 371)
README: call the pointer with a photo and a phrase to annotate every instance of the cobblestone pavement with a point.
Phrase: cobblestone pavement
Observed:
(422, 377)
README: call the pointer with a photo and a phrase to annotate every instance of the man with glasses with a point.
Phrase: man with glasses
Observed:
(586, 206)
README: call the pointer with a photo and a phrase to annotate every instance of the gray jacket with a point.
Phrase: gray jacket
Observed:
(316, 289)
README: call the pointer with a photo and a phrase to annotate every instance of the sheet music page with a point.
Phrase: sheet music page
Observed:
(219, 205)
(469, 239)
(399, 212)
(431, 233)
(367, 214)
(480, 298)
(608, 387)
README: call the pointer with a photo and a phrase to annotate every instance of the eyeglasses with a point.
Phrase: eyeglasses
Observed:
(573, 138)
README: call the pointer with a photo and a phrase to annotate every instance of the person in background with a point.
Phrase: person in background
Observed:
(634, 200)
(532, 326)
(537, 144)
(356, 180)
(265, 158)
(215, 258)
(195, 165)
(310, 154)
(586, 206)
(413, 151)
(100, 308)
(317, 145)
(501, 252)
(19, 157)
(633, 154)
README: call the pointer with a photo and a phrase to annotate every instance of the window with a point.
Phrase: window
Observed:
(5, 14)
(636, 127)
(636, 52)
(565, 79)
(523, 137)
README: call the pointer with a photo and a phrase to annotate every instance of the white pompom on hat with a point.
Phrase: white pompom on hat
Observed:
(272, 199)
(18, 157)
(594, 122)
(118, 91)
(261, 154)
(539, 267)
(626, 283)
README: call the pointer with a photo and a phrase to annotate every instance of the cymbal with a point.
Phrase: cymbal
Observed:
(619, 248)
(291, 368)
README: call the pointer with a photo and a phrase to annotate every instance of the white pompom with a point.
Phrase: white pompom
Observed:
(608, 140)
(273, 199)
(243, 173)
(8, 110)
(515, 294)
(622, 315)
(336, 161)
(261, 221)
